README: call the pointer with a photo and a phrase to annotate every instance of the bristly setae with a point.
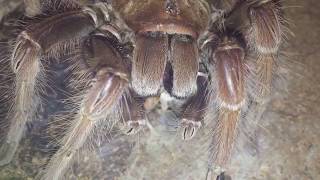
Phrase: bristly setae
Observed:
(198, 52)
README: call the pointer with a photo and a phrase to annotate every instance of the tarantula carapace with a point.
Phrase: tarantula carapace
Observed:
(212, 55)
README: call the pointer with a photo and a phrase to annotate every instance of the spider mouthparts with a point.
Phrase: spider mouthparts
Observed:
(155, 52)
(184, 60)
(149, 60)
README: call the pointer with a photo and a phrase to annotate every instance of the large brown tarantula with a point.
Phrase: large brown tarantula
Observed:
(215, 56)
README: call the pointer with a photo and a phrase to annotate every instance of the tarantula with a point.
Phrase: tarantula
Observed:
(212, 55)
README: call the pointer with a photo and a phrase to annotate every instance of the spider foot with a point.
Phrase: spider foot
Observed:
(133, 127)
(190, 128)
(134, 115)
(194, 110)
(104, 83)
(228, 72)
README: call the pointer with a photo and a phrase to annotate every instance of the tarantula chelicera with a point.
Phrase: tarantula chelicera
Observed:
(212, 55)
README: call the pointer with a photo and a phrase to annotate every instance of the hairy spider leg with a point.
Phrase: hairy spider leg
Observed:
(50, 36)
(99, 103)
(229, 96)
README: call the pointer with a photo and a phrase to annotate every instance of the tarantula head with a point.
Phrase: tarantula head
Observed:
(169, 16)
(166, 52)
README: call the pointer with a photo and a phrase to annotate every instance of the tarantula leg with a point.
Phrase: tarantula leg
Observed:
(229, 66)
(266, 27)
(66, 27)
(194, 110)
(25, 59)
(38, 38)
(184, 59)
(48, 33)
(263, 73)
(99, 103)
(134, 115)
(149, 60)
(265, 38)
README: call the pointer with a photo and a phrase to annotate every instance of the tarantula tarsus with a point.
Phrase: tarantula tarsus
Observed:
(195, 51)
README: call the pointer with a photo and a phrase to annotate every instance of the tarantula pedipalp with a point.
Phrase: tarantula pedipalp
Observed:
(195, 51)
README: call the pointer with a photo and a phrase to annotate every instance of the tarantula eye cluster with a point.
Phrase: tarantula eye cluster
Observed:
(197, 52)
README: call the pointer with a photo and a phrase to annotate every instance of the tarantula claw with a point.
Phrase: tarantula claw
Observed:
(134, 115)
(133, 127)
(194, 110)
(190, 128)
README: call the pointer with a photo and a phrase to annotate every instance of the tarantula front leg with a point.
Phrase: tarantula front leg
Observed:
(100, 103)
(25, 98)
(37, 39)
(227, 71)
(265, 37)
